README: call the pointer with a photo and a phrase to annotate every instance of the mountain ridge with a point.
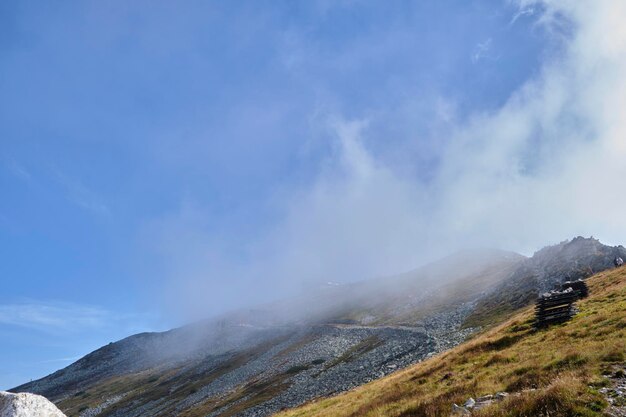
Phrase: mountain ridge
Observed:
(574, 259)
(359, 332)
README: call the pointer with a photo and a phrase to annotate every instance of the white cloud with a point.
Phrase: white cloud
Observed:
(482, 50)
(549, 164)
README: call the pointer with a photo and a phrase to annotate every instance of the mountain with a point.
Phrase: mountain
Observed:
(259, 361)
(576, 368)
(280, 355)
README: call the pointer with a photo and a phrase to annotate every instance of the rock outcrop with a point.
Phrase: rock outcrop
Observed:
(570, 260)
(26, 405)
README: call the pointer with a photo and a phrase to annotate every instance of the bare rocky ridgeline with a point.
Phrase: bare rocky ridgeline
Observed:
(27, 405)
(571, 260)
(257, 362)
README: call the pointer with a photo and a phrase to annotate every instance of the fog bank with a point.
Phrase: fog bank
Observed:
(545, 166)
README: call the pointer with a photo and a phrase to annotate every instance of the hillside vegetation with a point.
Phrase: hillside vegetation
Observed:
(556, 371)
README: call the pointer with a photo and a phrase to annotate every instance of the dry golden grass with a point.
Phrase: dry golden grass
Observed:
(554, 370)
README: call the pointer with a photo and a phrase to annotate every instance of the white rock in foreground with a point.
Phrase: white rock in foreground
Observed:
(27, 405)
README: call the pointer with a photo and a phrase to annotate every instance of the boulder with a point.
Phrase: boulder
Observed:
(482, 404)
(27, 405)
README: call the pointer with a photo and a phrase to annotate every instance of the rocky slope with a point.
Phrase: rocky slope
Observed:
(577, 368)
(257, 362)
(26, 405)
(578, 258)
(278, 356)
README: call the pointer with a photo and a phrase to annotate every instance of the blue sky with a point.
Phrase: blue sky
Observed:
(161, 155)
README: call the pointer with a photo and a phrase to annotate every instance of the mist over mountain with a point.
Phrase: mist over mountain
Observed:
(261, 360)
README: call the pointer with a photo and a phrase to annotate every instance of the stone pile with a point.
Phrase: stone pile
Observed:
(555, 307)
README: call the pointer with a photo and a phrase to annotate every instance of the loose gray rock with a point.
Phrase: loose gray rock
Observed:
(458, 410)
(501, 396)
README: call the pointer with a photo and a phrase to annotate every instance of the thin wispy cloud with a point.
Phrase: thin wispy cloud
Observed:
(76, 192)
(55, 317)
(60, 360)
(521, 13)
(484, 50)
(80, 195)
(18, 170)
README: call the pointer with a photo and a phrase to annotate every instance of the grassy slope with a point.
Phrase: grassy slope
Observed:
(563, 362)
